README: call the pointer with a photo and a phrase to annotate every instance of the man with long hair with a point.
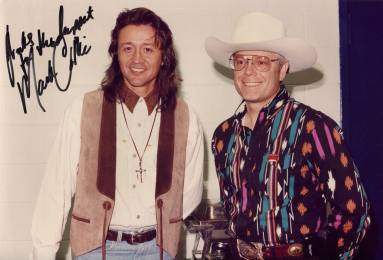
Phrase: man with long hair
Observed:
(131, 154)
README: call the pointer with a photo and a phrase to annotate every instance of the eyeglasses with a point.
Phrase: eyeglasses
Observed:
(260, 63)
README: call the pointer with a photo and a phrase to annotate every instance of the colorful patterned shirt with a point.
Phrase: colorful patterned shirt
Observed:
(277, 179)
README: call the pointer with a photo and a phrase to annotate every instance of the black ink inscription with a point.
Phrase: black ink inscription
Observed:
(61, 47)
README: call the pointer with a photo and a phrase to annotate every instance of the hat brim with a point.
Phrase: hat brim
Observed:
(299, 54)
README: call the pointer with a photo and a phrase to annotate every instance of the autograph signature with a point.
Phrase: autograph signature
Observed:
(26, 55)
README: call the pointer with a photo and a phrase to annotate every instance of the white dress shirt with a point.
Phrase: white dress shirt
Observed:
(134, 201)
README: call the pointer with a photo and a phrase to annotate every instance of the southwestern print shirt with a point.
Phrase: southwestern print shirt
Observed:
(276, 180)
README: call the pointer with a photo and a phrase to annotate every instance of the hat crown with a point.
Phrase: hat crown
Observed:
(258, 27)
(263, 32)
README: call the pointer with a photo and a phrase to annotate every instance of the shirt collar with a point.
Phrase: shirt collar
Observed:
(130, 98)
(270, 108)
(278, 101)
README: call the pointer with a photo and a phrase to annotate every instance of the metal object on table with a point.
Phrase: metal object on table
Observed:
(208, 221)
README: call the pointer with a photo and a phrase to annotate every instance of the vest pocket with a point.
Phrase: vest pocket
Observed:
(80, 219)
(175, 220)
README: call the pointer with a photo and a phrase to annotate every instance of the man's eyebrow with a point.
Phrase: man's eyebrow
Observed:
(145, 41)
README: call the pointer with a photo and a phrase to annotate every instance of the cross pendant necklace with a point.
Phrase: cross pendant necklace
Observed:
(140, 156)
(140, 170)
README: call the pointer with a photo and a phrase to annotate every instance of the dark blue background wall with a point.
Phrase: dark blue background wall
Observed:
(361, 41)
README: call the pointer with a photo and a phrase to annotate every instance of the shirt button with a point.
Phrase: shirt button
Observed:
(140, 100)
(134, 186)
(134, 155)
(139, 124)
(124, 140)
(138, 216)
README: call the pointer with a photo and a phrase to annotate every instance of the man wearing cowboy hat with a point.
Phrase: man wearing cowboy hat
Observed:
(279, 162)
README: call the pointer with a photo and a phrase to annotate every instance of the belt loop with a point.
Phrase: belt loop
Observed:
(119, 236)
(273, 252)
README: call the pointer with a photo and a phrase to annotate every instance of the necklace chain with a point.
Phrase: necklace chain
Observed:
(134, 143)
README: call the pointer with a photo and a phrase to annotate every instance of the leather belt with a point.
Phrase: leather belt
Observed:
(258, 251)
(134, 238)
(283, 251)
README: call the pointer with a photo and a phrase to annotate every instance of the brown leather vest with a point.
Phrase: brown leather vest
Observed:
(96, 177)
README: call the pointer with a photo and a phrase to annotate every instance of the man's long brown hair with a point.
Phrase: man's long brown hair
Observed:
(166, 81)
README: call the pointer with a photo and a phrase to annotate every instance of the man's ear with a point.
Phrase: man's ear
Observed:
(283, 70)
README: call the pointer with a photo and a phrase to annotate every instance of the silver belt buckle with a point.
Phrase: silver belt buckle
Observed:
(250, 251)
(295, 250)
(258, 247)
(133, 235)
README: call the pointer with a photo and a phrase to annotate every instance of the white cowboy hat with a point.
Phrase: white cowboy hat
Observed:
(263, 32)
